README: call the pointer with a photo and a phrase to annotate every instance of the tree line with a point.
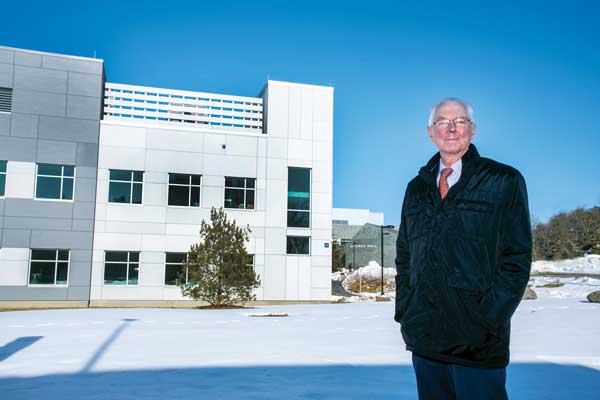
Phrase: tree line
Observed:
(567, 235)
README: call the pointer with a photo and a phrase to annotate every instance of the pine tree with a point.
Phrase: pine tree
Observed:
(218, 266)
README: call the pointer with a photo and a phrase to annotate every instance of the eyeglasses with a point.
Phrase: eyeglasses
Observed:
(458, 122)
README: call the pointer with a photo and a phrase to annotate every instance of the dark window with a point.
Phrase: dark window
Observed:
(49, 267)
(298, 215)
(125, 186)
(5, 99)
(2, 177)
(174, 269)
(184, 190)
(54, 181)
(298, 245)
(239, 192)
(121, 267)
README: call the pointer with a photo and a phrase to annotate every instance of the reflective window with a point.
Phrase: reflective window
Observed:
(49, 267)
(2, 177)
(125, 186)
(298, 245)
(298, 215)
(174, 269)
(54, 181)
(184, 190)
(239, 192)
(121, 267)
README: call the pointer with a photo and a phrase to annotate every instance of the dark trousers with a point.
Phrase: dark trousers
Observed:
(440, 381)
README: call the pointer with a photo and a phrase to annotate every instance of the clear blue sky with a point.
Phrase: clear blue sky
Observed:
(531, 72)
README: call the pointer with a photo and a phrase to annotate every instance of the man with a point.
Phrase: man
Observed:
(463, 262)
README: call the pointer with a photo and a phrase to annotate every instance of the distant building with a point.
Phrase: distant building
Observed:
(358, 231)
(356, 216)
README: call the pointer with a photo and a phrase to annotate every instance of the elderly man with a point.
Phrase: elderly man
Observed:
(463, 261)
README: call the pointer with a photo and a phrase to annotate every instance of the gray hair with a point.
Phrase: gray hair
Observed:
(462, 103)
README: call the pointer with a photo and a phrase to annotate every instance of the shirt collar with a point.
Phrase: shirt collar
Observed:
(456, 167)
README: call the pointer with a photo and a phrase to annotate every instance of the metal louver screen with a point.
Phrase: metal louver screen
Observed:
(5, 99)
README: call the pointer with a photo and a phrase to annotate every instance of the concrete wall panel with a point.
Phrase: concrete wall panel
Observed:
(87, 155)
(41, 103)
(4, 124)
(167, 139)
(28, 59)
(123, 136)
(55, 152)
(17, 149)
(24, 125)
(72, 64)
(16, 238)
(20, 180)
(6, 75)
(174, 161)
(77, 130)
(43, 80)
(83, 107)
(7, 56)
(84, 84)
(61, 240)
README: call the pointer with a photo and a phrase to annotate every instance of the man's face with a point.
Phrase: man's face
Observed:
(451, 140)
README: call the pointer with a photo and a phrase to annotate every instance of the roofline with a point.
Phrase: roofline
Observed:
(45, 53)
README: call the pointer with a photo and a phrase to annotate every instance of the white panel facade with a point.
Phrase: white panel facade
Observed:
(14, 266)
(295, 118)
(20, 180)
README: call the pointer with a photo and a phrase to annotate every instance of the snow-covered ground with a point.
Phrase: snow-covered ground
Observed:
(337, 351)
(589, 264)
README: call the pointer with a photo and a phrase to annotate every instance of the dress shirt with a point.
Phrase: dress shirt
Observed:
(454, 176)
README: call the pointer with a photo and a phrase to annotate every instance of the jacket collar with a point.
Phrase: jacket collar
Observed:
(430, 170)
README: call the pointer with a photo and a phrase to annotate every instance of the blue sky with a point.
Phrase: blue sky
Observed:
(531, 72)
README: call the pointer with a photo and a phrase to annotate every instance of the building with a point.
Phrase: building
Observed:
(356, 216)
(359, 233)
(105, 185)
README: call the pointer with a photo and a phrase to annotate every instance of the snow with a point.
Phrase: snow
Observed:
(370, 272)
(589, 264)
(327, 351)
(330, 351)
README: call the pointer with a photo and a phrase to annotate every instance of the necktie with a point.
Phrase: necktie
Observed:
(444, 181)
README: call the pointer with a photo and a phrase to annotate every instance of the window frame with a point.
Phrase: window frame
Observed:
(128, 265)
(56, 261)
(245, 189)
(4, 173)
(189, 186)
(309, 210)
(131, 184)
(62, 178)
(174, 264)
(298, 254)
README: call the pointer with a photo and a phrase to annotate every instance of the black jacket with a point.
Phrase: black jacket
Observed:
(463, 262)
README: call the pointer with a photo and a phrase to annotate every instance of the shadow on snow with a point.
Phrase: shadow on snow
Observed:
(17, 345)
(525, 381)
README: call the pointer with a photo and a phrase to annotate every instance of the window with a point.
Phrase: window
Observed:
(298, 215)
(298, 245)
(125, 186)
(121, 267)
(54, 181)
(2, 177)
(5, 99)
(184, 190)
(174, 268)
(239, 192)
(49, 267)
